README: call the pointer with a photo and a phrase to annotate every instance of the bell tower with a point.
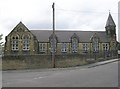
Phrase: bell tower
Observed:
(110, 27)
(111, 33)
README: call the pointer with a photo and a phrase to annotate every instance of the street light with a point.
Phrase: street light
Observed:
(53, 37)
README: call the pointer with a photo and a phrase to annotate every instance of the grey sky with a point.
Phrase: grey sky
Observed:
(70, 14)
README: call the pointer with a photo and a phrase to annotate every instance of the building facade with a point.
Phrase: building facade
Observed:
(22, 41)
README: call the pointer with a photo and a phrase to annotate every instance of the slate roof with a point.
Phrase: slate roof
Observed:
(110, 21)
(65, 36)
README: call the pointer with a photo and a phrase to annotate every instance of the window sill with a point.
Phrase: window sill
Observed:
(25, 50)
(64, 52)
(15, 50)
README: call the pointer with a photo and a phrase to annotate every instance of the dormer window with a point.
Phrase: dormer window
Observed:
(95, 43)
(74, 44)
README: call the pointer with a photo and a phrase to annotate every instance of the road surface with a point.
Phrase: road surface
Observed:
(99, 76)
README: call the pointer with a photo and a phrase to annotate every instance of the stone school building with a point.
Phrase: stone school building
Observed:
(23, 41)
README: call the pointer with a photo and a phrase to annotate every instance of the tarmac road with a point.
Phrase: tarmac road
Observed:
(98, 76)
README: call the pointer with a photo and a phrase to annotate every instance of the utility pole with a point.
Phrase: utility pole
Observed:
(53, 38)
(53, 6)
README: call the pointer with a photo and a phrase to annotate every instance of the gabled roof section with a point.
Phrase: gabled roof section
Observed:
(65, 36)
(51, 36)
(74, 36)
(95, 35)
(19, 27)
(110, 21)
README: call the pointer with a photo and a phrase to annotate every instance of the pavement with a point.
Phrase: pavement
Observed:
(103, 62)
(68, 68)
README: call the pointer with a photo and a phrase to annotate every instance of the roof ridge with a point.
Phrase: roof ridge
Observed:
(68, 31)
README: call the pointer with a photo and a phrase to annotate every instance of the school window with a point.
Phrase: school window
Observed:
(95, 45)
(26, 43)
(64, 47)
(85, 47)
(106, 46)
(42, 47)
(14, 43)
(74, 45)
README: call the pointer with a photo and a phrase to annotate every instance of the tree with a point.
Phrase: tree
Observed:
(1, 44)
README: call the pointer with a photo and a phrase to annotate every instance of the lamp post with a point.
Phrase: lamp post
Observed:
(53, 38)
(53, 52)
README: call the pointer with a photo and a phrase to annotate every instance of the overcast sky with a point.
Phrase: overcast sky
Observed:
(69, 14)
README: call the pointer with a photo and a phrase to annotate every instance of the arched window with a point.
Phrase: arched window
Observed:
(74, 44)
(95, 43)
(15, 43)
(26, 42)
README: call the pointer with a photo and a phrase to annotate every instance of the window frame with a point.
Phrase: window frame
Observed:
(42, 47)
(74, 45)
(95, 44)
(106, 46)
(15, 43)
(26, 43)
(64, 47)
(85, 47)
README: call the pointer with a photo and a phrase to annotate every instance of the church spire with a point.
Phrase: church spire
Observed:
(110, 26)
(110, 21)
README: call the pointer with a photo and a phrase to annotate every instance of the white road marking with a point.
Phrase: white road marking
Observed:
(40, 77)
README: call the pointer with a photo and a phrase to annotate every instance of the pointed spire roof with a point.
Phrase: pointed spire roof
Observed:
(110, 21)
(51, 36)
(74, 35)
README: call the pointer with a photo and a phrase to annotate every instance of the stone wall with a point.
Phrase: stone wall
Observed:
(45, 61)
(41, 61)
